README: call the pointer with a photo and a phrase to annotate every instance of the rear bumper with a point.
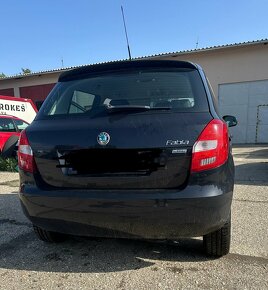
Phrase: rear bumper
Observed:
(194, 211)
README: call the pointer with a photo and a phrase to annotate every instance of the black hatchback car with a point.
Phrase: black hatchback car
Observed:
(132, 149)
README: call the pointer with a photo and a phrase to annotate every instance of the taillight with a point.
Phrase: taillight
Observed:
(212, 147)
(25, 154)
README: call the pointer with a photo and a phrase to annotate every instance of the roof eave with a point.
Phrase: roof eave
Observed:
(213, 48)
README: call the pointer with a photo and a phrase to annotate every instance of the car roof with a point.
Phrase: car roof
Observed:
(123, 65)
(4, 116)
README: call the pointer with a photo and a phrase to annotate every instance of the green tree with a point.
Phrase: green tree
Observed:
(2, 75)
(26, 71)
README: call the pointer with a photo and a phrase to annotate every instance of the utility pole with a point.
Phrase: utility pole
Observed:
(196, 45)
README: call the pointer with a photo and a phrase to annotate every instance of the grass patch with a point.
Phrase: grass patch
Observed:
(8, 164)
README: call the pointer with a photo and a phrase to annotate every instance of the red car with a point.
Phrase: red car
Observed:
(10, 128)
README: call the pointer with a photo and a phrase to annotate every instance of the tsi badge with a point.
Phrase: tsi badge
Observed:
(103, 138)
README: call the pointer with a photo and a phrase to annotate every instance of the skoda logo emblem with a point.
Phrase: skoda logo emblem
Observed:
(103, 138)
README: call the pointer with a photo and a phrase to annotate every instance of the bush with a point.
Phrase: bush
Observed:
(8, 164)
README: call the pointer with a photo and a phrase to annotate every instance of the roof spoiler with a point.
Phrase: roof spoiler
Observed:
(122, 65)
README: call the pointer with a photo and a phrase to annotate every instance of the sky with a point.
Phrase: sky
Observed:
(44, 35)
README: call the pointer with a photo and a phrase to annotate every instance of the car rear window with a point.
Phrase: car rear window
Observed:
(178, 90)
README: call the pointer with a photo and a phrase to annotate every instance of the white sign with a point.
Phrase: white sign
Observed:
(20, 108)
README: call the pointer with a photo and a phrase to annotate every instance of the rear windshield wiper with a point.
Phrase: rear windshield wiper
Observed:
(113, 109)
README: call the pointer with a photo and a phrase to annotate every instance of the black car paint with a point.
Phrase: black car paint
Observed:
(143, 130)
(200, 204)
(201, 207)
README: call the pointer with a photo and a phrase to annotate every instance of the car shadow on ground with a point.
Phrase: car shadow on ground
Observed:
(20, 248)
(253, 173)
(257, 154)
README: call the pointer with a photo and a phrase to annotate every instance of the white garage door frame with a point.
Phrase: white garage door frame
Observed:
(262, 124)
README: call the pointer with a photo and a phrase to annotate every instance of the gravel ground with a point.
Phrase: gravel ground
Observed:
(82, 263)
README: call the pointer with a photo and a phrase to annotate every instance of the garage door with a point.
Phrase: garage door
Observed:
(36, 93)
(248, 102)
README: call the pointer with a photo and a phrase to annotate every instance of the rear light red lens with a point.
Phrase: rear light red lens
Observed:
(25, 154)
(211, 148)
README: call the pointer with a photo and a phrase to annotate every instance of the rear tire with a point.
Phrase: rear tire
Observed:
(47, 236)
(217, 243)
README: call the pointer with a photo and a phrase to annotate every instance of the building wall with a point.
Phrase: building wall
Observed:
(37, 86)
(222, 65)
(230, 65)
(239, 78)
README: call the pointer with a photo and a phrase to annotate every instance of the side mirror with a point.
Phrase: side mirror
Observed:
(231, 121)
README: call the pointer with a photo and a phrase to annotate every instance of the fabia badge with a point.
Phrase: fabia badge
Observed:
(103, 138)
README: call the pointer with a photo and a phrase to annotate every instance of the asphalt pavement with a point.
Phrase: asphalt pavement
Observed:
(83, 263)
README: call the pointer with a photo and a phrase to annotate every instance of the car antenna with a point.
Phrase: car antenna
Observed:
(128, 48)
